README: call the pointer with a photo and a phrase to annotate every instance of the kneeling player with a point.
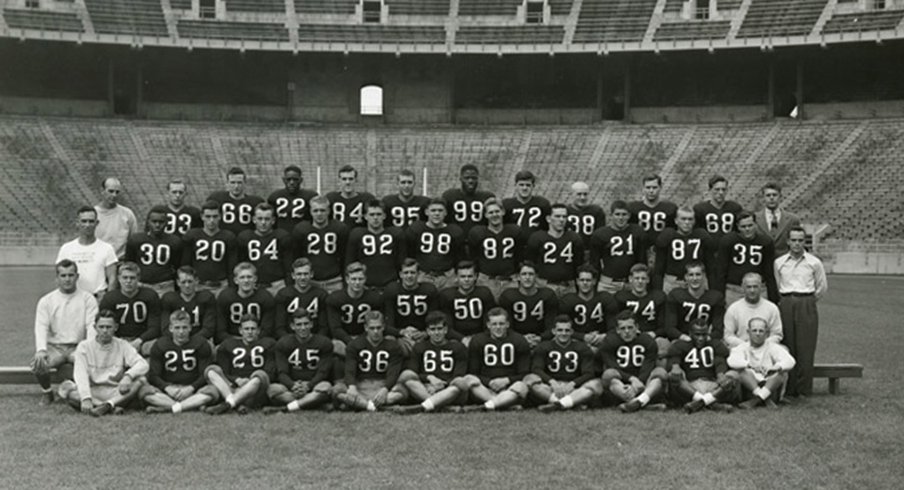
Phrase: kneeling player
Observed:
(243, 369)
(562, 371)
(108, 371)
(373, 363)
(762, 366)
(698, 374)
(176, 380)
(304, 362)
(498, 361)
(437, 364)
(629, 357)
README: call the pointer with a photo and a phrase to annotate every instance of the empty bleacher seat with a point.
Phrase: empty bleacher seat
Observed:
(863, 21)
(43, 20)
(249, 31)
(690, 30)
(325, 6)
(526, 34)
(775, 18)
(267, 6)
(418, 7)
(613, 20)
(387, 34)
(129, 17)
(488, 7)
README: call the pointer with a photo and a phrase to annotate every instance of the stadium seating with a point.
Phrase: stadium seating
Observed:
(863, 21)
(526, 34)
(42, 20)
(844, 173)
(776, 18)
(560, 7)
(690, 30)
(127, 17)
(390, 34)
(268, 6)
(251, 31)
(418, 7)
(181, 4)
(325, 6)
(488, 7)
(613, 20)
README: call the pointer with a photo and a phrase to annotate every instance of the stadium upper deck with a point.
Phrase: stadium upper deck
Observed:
(455, 26)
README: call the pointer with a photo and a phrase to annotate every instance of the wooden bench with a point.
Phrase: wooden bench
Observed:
(21, 375)
(835, 372)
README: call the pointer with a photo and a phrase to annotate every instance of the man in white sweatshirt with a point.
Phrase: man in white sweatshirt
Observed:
(752, 305)
(63, 318)
(762, 366)
(108, 371)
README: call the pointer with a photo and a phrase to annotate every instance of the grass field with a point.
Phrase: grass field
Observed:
(850, 441)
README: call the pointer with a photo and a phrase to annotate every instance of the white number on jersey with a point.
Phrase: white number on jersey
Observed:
(716, 222)
(695, 310)
(619, 246)
(651, 220)
(462, 211)
(438, 361)
(237, 310)
(648, 312)
(313, 307)
(408, 303)
(491, 248)
(501, 355)
(349, 316)
(372, 246)
(151, 254)
(440, 244)
(580, 312)
(378, 362)
(309, 360)
(255, 355)
(467, 308)
(680, 249)
(171, 360)
(232, 213)
(744, 253)
(533, 215)
(213, 251)
(700, 356)
(402, 216)
(255, 253)
(284, 204)
(520, 313)
(583, 224)
(552, 254)
(137, 310)
(328, 242)
(630, 356)
(177, 223)
(555, 364)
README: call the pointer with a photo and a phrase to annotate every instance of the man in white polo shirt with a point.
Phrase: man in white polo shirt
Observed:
(739, 313)
(95, 258)
(115, 222)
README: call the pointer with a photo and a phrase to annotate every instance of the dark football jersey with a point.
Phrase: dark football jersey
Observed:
(716, 221)
(447, 361)
(235, 214)
(737, 256)
(202, 308)
(271, 253)
(572, 362)
(240, 360)
(530, 215)
(346, 314)
(532, 314)
(705, 362)
(349, 210)
(681, 309)
(596, 314)
(674, 250)
(435, 249)
(635, 358)
(465, 210)
(557, 259)
(505, 357)
(231, 306)
(157, 256)
(310, 359)
(405, 308)
(649, 309)
(289, 299)
(614, 252)
(382, 253)
(181, 365)
(137, 316)
(364, 360)
(212, 256)
(585, 220)
(324, 247)
(178, 222)
(497, 254)
(653, 219)
(291, 207)
(467, 311)
(402, 214)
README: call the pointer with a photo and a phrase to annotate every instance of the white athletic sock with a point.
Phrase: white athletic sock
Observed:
(371, 407)
(230, 400)
(553, 398)
(643, 399)
(566, 401)
(765, 393)
(292, 406)
(428, 405)
(698, 396)
(709, 399)
(177, 407)
(490, 405)
(47, 390)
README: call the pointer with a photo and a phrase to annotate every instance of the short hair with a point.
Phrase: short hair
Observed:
(250, 317)
(65, 264)
(348, 168)
(742, 215)
(373, 316)
(158, 209)
(626, 315)
(525, 175)
(465, 264)
(466, 167)
(244, 266)
(686, 210)
(103, 183)
(320, 200)
(759, 319)
(493, 201)
(648, 177)
(355, 267)
(301, 262)
(435, 201)
(292, 168)
(640, 268)
(187, 269)
(301, 313)
(86, 209)
(700, 322)
(558, 205)
(435, 317)
(179, 316)
(264, 206)
(176, 182)
(128, 266)
(797, 228)
(106, 313)
(618, 204)
(408, 262)
(376, 203)
(752, 275)
(771, 185)
(693, 265)
(497, 311)
(406, 172)
(562, 318)
(210, 205)
(235, 171)
(715, 179)
(527, 263)
(587, 268)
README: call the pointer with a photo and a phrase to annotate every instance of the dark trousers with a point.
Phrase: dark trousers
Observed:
(800, 325)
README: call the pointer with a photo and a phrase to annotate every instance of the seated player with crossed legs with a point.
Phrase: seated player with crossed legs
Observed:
(498, 361)
(176, 381)
(243, 369)
(108, 371)
(373, 363)
(304, 364)
(435, 369)
(563, 374)
(762, 366)
(698, 374)
(629, 358)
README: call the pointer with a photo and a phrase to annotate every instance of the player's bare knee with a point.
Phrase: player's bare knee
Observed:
(276, 389)
(594, 386)
(609, 376)
(532, 379)
(658, 373)
(323, 387)
(519, 388)
(408, 375)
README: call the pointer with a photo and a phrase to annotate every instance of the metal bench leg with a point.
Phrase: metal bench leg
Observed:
(833, 386)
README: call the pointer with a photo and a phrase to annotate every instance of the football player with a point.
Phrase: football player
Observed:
(157, 253)
(210, 250)
(743, 251)
(762, 366)
(592, 312)
(243, 370)
(137, 307)
(676, 247)
(563, 374)
(347, 203)
(436, 245)
(201, 305)
(404, 207)
(531, 308)
(616, 247)
(698, 373)
(497, 248)
(683, 306)
(373, 363)
(466, 203)
(629, 360)
(242, 299)
(651, 213)
(269, 249)
(498, 361)
(236, 207)
(557, 252)
(380, 249)
(648, 306)
(180, 217)
(467, 303)
(717, 215)
(406, 303)
(323, 242)
(304, 366)
(176, 381)
(301, 295)
(292, 202)
(347, 309)
(525, 209)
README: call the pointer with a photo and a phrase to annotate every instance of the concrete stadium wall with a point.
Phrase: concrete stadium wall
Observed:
(699, 114)
(525, 116)
(53, 107)
(213, 112)
(855, 110)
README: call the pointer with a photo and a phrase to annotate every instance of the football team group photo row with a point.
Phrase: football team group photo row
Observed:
(461, 302)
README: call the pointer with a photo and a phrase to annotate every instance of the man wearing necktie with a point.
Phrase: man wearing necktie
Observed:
(774, 221)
